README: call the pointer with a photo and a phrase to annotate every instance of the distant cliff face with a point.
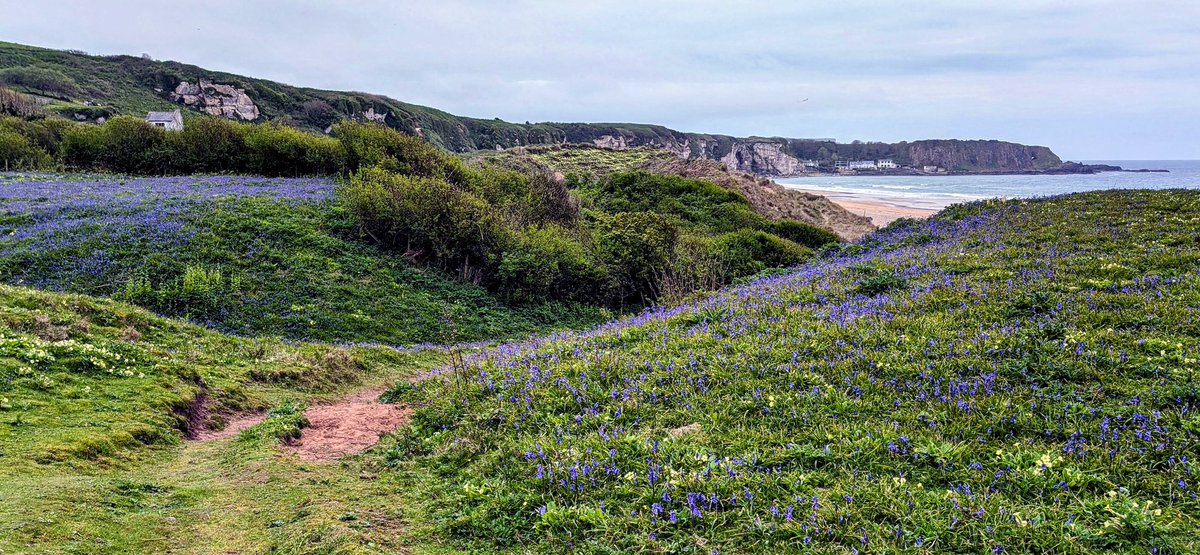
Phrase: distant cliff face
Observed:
(982, 156)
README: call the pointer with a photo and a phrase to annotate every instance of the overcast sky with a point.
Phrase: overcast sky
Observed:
(1092, 80)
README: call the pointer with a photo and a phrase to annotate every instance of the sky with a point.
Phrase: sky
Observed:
(1091, 79)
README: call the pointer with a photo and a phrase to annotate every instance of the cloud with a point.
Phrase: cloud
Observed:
(1072, 75)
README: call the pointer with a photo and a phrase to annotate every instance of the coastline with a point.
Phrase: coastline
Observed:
(881, 211)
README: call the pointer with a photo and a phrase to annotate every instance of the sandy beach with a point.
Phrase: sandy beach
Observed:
(881, 211)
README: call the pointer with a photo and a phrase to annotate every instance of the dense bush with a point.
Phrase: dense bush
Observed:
(547, 262)
(132, 145)
(429, 218)
(209, 145)
(16, 153)
(808, 235)
(283, 151)
(16, 104)
(43, 80)
(746, 252)
(369, 145)
(695, 202)
(638, 248)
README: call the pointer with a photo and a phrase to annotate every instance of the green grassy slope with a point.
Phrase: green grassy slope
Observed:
(1006, 377)
(93, 398)
(251, 256)
(133, 85)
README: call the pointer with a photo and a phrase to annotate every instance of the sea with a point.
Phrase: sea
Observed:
(934, 192)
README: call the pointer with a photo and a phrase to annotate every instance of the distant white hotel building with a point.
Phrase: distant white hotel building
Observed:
(857, 165)
(868, 165)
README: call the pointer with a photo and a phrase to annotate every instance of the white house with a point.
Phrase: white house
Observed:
(171, 121)
(886, 164)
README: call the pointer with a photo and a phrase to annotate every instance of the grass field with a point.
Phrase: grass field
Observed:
(1006, 377)
(245, 255)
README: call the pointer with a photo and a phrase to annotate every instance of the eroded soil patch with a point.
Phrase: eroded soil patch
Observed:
(347, 426)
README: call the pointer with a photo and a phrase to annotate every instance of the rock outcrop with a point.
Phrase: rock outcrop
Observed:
(216, 99)
(377, 117)
(762, 158)
(982, 156)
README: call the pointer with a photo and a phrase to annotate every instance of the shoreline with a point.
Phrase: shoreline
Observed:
(881, 211)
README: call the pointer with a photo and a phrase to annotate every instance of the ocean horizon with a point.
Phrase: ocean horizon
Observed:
(935, 192)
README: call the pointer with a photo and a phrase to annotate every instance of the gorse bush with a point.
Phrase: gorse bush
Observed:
(801, 233)
(284, 151)
(638, 248)
(748, 252)
(427, 217)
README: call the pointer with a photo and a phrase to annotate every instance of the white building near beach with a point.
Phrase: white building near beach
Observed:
(886, 164)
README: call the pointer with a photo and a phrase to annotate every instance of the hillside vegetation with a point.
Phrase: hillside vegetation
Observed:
(245, 255)
(1005, 377)
(526, 251)
(102, 86)
(621, 240)
(766, 197)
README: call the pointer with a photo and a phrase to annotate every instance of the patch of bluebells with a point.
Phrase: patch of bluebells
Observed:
(58, 231)
(1040, 355)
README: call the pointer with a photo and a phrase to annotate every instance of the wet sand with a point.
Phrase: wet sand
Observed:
(881, 211)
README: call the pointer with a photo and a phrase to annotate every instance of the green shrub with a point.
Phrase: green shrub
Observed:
(83, 146)
(427, 218)
(547, 262)
(276, 150)
(695, 202)
(210, 145)
(134, 146)
(637, 248)
(46, 81)
(370, 144)
(746, 252)
(808, 235)
(16, 153)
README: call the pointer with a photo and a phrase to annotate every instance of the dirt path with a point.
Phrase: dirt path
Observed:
(233, 426)
(343, 427)
(347, 426)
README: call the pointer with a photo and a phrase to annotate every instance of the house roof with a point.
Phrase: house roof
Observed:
(163, 116)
